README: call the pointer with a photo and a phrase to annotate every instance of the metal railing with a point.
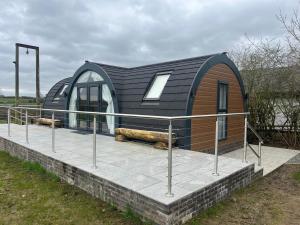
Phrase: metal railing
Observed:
(260, 142)
(19, 115)
(169, 119)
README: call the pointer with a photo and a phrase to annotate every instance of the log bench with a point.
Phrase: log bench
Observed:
(48, 122)
(160, 139)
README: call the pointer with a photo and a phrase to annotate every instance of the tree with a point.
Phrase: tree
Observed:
(272, 84)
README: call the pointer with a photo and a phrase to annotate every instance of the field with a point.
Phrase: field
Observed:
(30, 195)
(10, 100)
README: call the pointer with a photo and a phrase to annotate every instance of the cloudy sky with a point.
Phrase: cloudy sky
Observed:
(125, 33)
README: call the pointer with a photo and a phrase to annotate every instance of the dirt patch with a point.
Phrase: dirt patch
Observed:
(272, 200)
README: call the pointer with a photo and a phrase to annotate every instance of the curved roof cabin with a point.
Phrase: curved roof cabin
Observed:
(202, 85)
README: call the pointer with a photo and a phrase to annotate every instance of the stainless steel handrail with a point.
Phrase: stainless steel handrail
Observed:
(134, 115)
(166, 118)
(21, 113)
(255, 153)
(260, 142)
(255, 132)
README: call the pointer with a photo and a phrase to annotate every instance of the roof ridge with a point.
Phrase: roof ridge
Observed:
(159, 63)
(177, 60)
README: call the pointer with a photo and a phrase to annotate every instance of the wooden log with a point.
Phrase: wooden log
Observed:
(120, 137)
(145, 135)
(161, 145)
(48, 122)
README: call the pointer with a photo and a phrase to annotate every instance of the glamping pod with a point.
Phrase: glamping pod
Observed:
(202, 85)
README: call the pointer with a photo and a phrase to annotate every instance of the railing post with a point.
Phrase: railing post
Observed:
(94, 142)
(245, 139)
(53, 133)
(259, 153)
(216, 147)
(8, 121)
(26, 123)
(169, 193)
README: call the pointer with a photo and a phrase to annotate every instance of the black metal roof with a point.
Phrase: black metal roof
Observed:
(131, 84)
(49, 101)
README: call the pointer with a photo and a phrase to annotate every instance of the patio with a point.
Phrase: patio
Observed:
(130, 174)
(138, 167)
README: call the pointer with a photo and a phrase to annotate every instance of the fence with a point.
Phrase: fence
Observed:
(180, 128)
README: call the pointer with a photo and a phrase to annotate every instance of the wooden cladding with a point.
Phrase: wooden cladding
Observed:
(205, 102)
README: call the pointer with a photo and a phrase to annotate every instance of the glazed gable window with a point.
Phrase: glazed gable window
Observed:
(157, 86)
(222, 109)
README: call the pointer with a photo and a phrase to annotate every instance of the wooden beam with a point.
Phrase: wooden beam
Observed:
(37, 72)
(27, 46)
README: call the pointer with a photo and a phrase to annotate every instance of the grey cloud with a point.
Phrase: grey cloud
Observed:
(125, 32)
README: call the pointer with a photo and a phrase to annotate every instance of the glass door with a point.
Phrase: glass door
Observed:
(82, 105)
(94, 105)
(88, 99)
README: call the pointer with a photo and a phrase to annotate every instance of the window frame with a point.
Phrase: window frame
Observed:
(220, 111)
(149, 87)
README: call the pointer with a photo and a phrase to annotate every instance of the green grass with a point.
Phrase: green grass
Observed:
(31, 195)
(131, 215)
(22, 100)
(296, 176)
(35, 167)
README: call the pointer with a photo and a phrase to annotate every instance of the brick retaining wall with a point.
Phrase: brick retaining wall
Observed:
(172, 214)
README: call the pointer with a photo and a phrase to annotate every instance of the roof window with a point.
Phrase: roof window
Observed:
(60, 92)
(157, 86)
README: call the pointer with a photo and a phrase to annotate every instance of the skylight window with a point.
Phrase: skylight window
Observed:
(60, 93)
(157, 86)
(64, 88)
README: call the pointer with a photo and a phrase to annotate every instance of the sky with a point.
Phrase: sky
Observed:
(125, 33)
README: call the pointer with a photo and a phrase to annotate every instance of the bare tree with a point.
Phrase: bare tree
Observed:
(272, 83)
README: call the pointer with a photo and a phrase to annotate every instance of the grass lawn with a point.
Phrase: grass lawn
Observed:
(30, 195)
(22, 100)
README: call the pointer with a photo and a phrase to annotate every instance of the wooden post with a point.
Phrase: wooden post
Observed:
(37, 71)
(37, 75)
(17, 76)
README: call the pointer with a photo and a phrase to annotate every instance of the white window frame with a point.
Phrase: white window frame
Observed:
(168, 73)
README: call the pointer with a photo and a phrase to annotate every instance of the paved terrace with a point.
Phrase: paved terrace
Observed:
(272, 157)
(135, 166)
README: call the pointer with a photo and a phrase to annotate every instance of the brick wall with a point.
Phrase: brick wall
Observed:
(175, 213)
